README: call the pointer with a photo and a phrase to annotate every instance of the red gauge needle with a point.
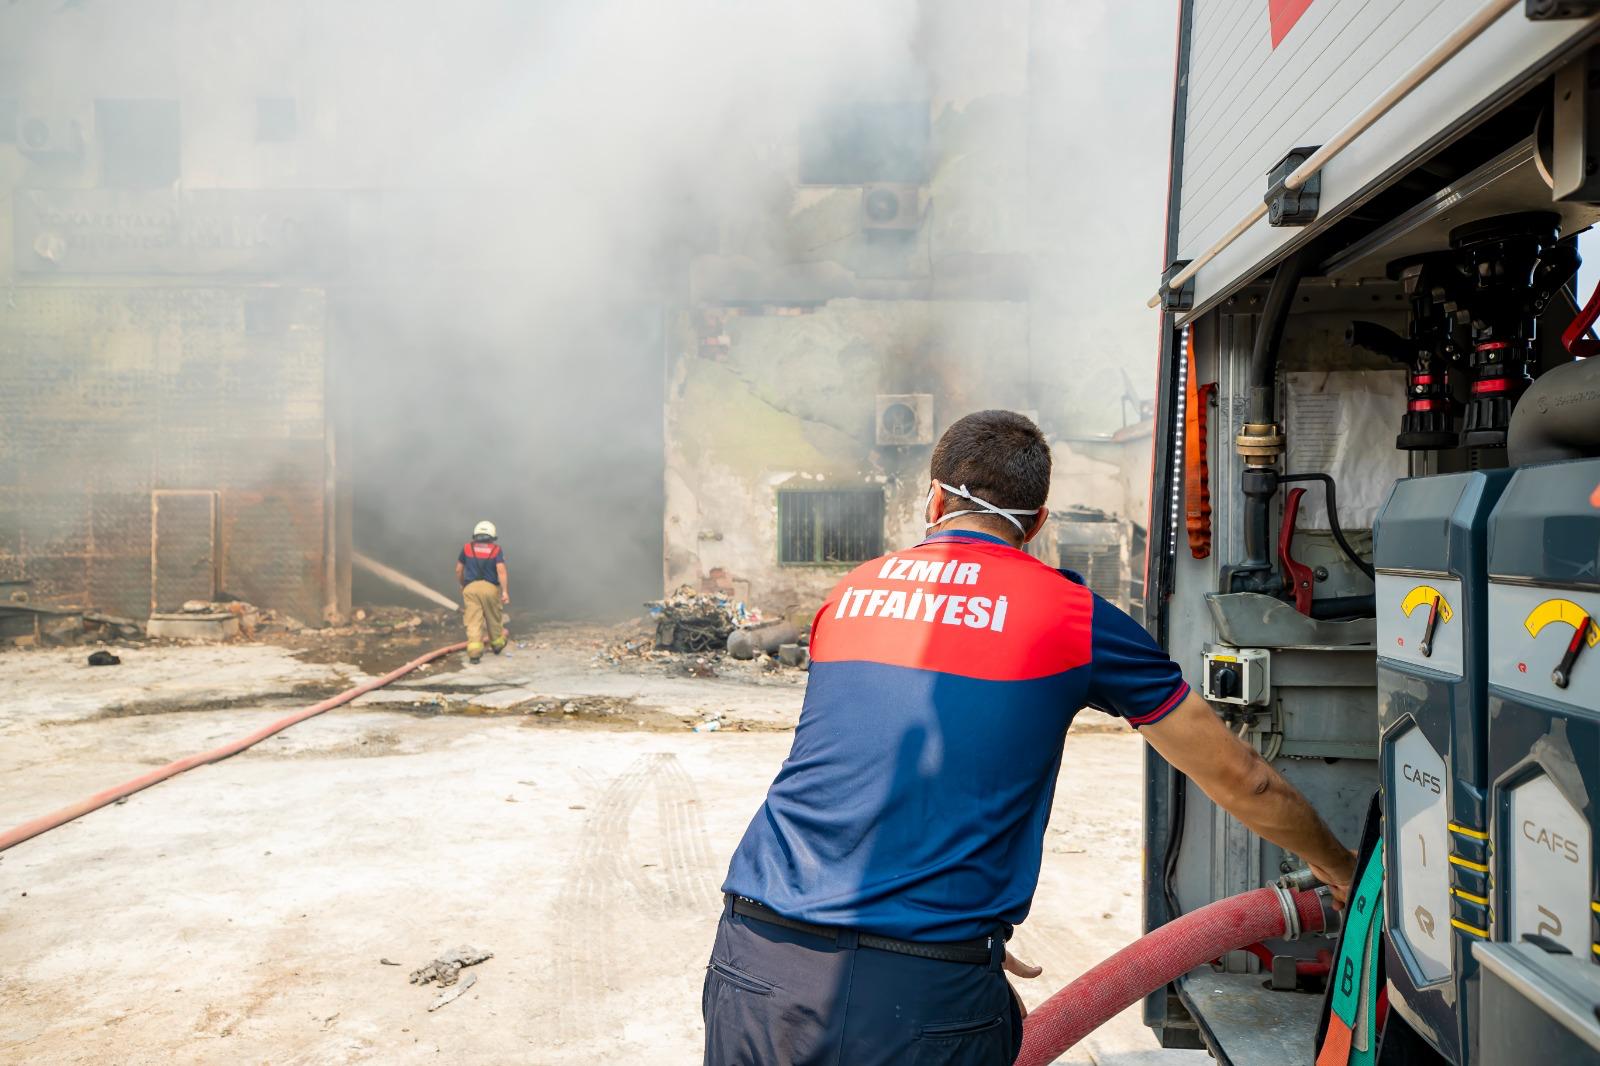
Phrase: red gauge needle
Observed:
(1562, 674)
(1426, 647)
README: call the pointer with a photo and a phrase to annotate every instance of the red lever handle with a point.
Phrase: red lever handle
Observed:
(1297, 577)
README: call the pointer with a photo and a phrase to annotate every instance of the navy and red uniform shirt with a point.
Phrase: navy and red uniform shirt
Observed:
(478, 559)
(914, 800)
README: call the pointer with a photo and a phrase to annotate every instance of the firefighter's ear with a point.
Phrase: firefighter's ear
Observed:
(1038, 524)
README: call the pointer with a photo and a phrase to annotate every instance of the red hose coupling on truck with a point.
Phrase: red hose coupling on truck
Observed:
(1164, 955)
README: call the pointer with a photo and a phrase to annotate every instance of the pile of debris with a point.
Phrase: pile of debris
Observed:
(446, 970)
(25, 624)
(635, 640)
(227, 618)
(205, 620)
(695, 634)
(695, 623)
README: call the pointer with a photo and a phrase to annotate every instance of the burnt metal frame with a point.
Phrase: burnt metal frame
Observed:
(155, 535)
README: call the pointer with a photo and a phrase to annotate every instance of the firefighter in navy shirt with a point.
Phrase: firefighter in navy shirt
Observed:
(867, 907)
(481, 573)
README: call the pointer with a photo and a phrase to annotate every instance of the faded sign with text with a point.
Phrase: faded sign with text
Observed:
(205, 232)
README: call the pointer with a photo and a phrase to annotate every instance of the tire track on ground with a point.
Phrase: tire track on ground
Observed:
(582, 939)
(607, 877)
(689, 875)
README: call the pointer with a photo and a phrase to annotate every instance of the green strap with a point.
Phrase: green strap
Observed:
(1355, 974)
(1360, 919)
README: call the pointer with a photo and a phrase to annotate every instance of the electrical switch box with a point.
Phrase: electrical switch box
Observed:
(1236, 675)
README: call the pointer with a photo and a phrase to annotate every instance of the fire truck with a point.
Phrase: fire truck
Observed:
(1375, 535)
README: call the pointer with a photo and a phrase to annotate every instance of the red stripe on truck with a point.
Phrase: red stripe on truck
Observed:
(1284, 14)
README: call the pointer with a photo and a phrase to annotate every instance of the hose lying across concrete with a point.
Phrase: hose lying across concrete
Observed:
(1232, 924)
(1161, 956)
(28, 830)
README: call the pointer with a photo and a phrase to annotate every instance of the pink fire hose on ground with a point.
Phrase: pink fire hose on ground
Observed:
(1160, 956)
(28, 830)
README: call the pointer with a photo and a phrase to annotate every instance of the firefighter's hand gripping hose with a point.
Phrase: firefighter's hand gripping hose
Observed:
(1161, 956)
(28, 830)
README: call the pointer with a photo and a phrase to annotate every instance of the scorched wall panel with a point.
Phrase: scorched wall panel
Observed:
(108, 394)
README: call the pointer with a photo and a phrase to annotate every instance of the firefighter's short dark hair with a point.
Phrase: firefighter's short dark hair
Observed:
(1000, 456)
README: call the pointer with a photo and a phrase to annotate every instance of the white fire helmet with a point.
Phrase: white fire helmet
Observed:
(484, 529)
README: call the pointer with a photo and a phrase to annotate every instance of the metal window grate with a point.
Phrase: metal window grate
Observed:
(1100, 565)
(819, 527)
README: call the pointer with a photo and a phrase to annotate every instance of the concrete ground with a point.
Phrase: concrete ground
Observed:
(565, 817)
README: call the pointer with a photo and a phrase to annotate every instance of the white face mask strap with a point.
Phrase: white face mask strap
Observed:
(1008, 513)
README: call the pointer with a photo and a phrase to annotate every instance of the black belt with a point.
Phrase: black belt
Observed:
(973, 952)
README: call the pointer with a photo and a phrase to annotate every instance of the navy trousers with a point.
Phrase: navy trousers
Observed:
(780, 997)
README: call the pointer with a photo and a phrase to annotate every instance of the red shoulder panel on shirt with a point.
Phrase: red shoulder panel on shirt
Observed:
(958, 606)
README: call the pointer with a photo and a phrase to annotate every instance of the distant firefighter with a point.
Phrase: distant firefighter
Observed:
(481, 573)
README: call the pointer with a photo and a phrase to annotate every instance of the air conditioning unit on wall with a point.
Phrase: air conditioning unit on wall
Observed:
(895, 208)
(48, 136)
(905, 418)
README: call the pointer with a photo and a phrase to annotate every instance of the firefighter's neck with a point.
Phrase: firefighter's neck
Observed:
(994, 527)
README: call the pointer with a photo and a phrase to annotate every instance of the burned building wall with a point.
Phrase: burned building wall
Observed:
(889, 281)
(768, 401)
(163, 357)
(112, 395)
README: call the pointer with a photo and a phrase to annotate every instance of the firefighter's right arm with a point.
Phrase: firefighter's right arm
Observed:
(1194, 740)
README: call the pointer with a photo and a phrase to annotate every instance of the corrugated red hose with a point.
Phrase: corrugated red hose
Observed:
(1154, 959)
(28, 830)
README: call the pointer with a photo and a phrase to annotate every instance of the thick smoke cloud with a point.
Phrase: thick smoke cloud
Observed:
(1102, 103)
(526, 184)
(584, 153)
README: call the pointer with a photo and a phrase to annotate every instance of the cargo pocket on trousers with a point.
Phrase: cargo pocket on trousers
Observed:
(980, 1041)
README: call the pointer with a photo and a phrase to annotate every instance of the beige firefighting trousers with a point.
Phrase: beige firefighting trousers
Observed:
(481, 600)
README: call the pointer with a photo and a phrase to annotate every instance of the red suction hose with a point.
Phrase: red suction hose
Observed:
(1161, 956)
(28, 830)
